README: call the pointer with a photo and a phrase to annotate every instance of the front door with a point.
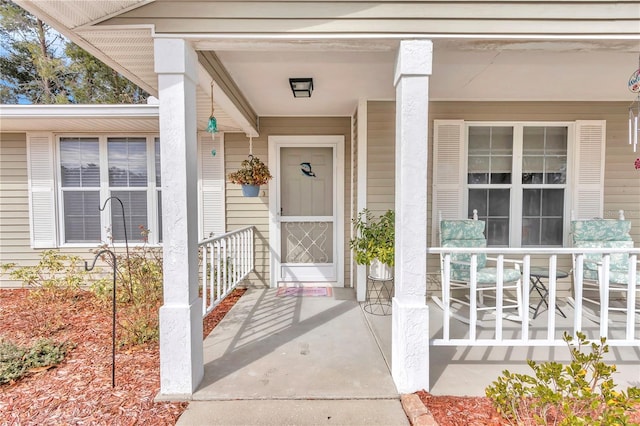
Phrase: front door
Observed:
(307, 211)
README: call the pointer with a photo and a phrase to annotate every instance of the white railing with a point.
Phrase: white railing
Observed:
(226, 260)
(526, 332)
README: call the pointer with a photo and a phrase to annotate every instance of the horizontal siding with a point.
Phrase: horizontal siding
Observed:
(14, 204)
(381, 119)
(15, 245)
(622, 181)
(244, 211)
(416, 17)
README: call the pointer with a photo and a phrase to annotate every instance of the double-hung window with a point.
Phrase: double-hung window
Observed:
(517, 180)
(92, 169)
(525, 179)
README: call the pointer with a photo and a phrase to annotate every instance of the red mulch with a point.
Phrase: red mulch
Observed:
(475, 411)
(461, 411)
(78, 391)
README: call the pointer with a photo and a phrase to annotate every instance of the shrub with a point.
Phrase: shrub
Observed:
(61, 275)
(582, 392)
(375, 238)
(138, 291)
(16, 361)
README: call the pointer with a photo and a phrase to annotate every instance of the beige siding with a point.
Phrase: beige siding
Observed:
(15, 243)
(14, 203)
(622, 181)
(444, 17)
(381, 124)
(243, 211)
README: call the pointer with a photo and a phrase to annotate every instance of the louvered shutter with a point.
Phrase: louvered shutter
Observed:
(212, 181)
(588, 183)
(42, 195)
(448, 173)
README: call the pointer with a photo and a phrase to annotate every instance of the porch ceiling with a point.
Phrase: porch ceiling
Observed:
(349, 67)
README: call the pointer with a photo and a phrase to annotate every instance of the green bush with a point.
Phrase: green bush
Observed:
(375, 238)
(16, 361)
(582, 392)
(58, 273)
(138, 291)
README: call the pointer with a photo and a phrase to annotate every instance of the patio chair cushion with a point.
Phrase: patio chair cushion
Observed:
(460, 262)
(490, 275)
(604, 233)
(601, 230)
(467, 229)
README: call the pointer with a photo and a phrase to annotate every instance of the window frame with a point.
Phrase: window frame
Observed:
(516, 186)
(152, 190)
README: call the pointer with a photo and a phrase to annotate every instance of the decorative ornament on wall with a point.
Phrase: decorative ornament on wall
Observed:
(213, 122)
(305, 168)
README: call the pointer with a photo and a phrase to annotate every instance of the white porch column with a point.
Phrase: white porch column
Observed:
(181, 353)
(410, 329)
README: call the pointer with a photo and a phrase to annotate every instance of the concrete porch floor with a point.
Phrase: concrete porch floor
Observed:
(272, 349)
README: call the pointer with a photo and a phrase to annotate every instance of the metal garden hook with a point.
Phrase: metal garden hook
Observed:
(113, 328)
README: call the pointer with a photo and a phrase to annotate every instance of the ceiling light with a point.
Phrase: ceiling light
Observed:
(301, 87)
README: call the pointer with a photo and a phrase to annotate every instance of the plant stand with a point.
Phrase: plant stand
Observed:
(379, 294)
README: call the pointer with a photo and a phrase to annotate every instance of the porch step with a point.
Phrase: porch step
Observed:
(383, 412)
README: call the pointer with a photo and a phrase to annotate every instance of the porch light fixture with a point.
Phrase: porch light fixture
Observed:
(634, 108)
(301, 87)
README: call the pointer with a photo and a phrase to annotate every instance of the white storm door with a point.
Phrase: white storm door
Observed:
(307, 214)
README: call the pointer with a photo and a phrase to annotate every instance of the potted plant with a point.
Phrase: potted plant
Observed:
(252, 173)
(374, 243)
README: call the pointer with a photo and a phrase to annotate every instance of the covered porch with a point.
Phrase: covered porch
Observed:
(335, 347)
(388, 72)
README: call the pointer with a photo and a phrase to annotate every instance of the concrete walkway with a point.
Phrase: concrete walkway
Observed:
(297, 361)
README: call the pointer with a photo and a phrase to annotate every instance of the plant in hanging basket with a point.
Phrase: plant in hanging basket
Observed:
(252, 172)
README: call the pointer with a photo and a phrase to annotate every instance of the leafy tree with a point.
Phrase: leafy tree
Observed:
(39, 65)
(30, 65)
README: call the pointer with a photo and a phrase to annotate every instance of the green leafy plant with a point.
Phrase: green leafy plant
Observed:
(375, 237)
(16, 361)
(252, 172)
(138, 290)
(58, 273)
(582, 392)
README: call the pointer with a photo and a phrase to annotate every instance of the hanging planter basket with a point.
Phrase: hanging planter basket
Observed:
(252, 173)
(250, 190)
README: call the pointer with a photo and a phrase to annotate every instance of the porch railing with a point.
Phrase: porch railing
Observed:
(501, 331)
(226, 260)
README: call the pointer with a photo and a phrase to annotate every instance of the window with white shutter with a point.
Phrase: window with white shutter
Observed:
(518, 175)
(42, 193)
(94, 168)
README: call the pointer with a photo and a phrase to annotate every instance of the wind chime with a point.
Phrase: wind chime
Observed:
(213, 123)
(634, 108)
